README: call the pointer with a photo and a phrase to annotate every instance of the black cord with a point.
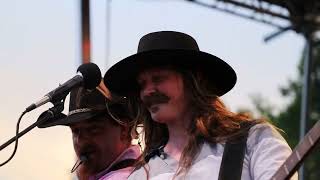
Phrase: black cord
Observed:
(16, 140)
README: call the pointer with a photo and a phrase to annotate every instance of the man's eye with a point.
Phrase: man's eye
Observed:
(94, 130)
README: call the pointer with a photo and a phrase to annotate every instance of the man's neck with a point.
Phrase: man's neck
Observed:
(178, 138)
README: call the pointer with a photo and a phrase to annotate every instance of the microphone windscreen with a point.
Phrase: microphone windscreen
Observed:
(91, 75)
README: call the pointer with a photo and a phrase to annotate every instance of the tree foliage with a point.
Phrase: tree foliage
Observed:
(288, 119)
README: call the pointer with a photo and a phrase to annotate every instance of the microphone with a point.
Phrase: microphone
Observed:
(88, 75)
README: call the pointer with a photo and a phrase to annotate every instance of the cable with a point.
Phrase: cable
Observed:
(16, 140)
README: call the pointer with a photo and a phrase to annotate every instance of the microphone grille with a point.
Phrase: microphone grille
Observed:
(91, 75)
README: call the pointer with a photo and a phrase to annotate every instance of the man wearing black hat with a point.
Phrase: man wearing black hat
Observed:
(101, 134)
(189, 133)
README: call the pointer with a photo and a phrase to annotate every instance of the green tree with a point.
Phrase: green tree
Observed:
(288, 119)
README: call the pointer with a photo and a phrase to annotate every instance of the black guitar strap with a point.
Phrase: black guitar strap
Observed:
(233, 156)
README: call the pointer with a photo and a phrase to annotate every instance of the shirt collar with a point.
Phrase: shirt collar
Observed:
(133, 152)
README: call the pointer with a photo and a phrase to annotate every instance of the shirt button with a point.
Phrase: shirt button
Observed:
(162, 156)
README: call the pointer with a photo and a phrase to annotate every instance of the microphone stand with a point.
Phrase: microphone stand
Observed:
(45, 116)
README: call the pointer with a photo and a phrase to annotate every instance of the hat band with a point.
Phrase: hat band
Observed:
(79, 111)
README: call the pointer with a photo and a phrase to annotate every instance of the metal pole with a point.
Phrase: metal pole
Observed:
(108, 31)
(304, 116)
(85, 31)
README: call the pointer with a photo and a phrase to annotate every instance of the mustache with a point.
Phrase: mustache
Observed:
(85, 151)
(155, 98)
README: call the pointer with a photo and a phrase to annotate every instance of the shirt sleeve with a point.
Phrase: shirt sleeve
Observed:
(267, 151)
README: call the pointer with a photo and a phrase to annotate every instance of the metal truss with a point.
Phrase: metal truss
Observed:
(302, 16)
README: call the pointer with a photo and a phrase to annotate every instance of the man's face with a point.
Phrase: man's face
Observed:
(99, 140)
(162, 91)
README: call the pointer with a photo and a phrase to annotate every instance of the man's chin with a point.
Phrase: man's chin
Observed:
(85, 171)
(88, 168)
(92, 168)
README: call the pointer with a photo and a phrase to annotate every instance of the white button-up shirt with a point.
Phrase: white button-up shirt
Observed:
(266, 151)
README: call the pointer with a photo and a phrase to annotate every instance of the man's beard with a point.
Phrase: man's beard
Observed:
(89, 164)
(83, 173)
(86, 170)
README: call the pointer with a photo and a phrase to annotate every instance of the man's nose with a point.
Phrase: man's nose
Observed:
(148, 89)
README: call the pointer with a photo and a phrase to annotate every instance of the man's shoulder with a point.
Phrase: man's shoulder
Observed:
(265, 135)
(264, 130)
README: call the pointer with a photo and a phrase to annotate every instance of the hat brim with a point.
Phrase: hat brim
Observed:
(121, 77)
(67, 120)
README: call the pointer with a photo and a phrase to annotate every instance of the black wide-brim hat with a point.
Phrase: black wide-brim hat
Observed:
(86, 105)
(169, 48)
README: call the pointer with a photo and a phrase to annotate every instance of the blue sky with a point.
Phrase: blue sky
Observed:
(39, 48)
